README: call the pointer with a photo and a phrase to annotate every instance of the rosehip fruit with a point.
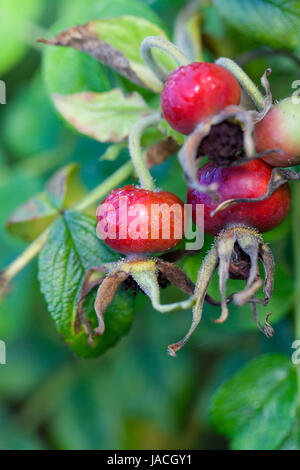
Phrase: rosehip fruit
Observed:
(280, 130)
(134, 220)
(196, 91)
(249, 180)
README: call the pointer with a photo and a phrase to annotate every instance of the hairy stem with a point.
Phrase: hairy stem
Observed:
(100, 191)
(26, 256)
(35, 247)
(296, 231)
(157, 42)
(246, 83)
(136, 152)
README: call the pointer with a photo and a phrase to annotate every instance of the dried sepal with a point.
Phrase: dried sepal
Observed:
(188, 155)
(225, 247)
(146, 273)
(105, 295)
(237, 250)
(267, 329)
(268, 100)
(266, 256)
(159, 152)
(176, 276)
(88, 284)
(205, 274)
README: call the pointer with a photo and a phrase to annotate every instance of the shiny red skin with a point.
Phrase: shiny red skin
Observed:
(249, 180)
(146, 198)
(196, 91)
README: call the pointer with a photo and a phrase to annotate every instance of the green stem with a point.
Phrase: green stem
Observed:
(35, 247)
(246, 83)
(157, 42)
(100, 191)
(296, 231)
(26, 256)
(136, 152)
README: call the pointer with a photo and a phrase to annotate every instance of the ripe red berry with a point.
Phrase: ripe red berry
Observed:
(280, 129)
(249, 180)
(135, 220)
(196, 91)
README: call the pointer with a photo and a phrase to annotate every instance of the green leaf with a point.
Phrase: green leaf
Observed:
(71, 249)
(272, 22)
(65, 187)
(33, 216)
(116, 43)
(292, 441)
(167, 130)
(76, 11)
(113, 151)
(67, 71)
(256, 408)
(106, 117)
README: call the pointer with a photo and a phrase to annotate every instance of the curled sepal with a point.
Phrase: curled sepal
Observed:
(205, 274)
(266, 256)
(189, 153)
(147, 280)
(267, 329)
(268, 99)
(225, 248)
(249, 241)
(105, 295)
(176, 276)
(237, 251)
(148, 274)
(93, 277)
(279, 177)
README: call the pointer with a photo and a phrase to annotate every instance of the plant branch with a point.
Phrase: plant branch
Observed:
(100, 191)
(21, 261)
(136, 152)
(246, 83)
(157, 42)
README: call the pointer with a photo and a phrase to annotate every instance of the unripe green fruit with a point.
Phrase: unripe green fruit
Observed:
(280, 129)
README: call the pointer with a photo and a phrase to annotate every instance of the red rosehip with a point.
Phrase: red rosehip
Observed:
(249, 180)
(134, 220)
(280, 129)
(196, 91)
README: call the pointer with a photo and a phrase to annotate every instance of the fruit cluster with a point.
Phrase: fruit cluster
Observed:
(242, 187)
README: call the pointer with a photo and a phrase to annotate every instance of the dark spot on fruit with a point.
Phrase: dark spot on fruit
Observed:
(224, 144)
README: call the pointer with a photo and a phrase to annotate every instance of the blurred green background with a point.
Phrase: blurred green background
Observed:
(134, 396)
